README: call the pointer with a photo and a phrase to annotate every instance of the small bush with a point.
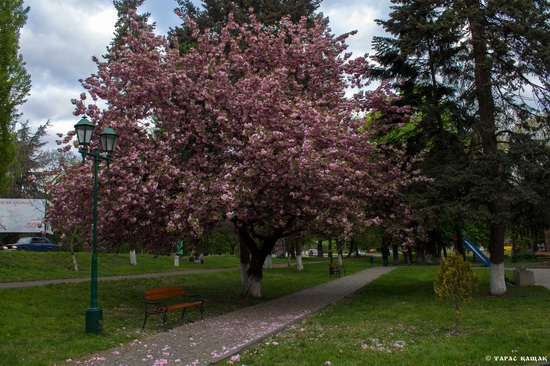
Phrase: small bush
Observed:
(455, 283)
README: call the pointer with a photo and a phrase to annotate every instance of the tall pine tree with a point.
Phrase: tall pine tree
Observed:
(476, 70)
(122, 26)
(215, 13)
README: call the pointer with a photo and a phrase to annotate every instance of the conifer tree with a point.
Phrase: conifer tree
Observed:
(215, 14)
(31, 161)
(122, 26)
(477, 70)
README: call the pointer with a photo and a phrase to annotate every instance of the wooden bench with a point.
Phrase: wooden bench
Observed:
(153, 305)
(335, 270)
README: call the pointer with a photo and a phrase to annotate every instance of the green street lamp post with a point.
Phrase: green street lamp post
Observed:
(108, 139)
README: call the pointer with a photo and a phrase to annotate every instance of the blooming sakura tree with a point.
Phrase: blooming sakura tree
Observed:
(251, 126)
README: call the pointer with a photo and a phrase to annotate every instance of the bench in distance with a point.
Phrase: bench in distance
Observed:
(336, 270)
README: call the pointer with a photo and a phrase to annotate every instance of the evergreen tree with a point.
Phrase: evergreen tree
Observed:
(123, 24)
(215, 13)
(15, 84)
(29, 170)
(475, 69)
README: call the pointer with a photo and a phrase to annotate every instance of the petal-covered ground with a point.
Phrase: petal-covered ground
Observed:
(217, 338)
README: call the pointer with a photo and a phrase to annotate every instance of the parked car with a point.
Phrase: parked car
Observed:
(34, 244)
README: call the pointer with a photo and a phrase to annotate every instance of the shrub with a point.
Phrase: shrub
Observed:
(455, 283)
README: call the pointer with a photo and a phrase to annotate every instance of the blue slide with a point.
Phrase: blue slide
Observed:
(474, 249)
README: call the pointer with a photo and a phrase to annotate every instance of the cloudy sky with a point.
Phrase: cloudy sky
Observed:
(61, 36)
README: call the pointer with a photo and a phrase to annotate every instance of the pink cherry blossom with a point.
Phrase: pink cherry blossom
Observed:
(252, 125)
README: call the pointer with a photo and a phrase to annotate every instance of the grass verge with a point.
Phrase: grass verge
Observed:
(396, 320)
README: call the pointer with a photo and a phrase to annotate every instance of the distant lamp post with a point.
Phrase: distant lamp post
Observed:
(108, 139)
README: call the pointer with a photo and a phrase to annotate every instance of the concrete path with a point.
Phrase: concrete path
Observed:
(110, 278)
(214, 339)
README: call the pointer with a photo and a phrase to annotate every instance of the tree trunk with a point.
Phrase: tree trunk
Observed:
(420, 253)
(353, 247)
(486, 129)
(395, 251)
(244, 254)
(75, 263)
(496, 250)
(320, 248)
(268, 263)
(408, 256)
(458, 314)
(547, 240)
(340, 249)
(299, 263)
(331, 259)
(133, 257)
(252, 286)
(288, 254)
(459, 245)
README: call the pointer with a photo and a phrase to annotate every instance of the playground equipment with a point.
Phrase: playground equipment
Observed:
(477, 252)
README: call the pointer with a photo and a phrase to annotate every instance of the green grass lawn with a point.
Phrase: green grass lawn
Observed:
(395, 320)
(30, 266)
(45, 325)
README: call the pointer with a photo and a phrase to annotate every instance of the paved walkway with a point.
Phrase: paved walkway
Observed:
(214, 339)
(110, 278)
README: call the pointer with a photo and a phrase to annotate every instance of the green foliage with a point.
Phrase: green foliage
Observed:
(122, 25)
(455, 283)
(8, 152)
(214, 14)
(15, 84)
(31, 170)
(463, 66)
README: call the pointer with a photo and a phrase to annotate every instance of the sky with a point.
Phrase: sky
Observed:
(61, 36)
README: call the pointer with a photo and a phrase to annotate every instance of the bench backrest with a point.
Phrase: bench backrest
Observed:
(163, 293)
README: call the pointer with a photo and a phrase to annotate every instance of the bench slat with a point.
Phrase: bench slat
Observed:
(167, 291)
(183, 306)
(163, 295)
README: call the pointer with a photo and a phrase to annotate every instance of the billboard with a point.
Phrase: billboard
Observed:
(22, 215)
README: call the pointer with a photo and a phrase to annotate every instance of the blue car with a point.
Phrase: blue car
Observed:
(34, 244)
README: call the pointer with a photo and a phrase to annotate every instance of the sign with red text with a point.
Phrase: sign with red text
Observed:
(22, 215)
